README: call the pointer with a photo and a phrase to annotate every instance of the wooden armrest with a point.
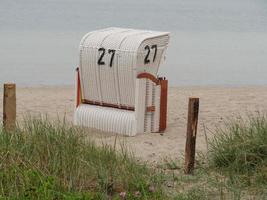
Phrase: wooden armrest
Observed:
(149, 76)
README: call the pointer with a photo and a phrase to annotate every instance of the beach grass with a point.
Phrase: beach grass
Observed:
(235, 166)
(240, 150)
(51, 160)
(45, 160)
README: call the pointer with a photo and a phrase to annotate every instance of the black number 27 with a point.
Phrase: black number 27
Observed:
(147, 48)
(103, 51)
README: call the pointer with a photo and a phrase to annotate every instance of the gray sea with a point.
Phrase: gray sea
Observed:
(213, 42)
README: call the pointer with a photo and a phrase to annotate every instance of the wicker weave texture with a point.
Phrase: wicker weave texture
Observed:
(121, 121)
(106, 119)
(110, 60)
(116, 84)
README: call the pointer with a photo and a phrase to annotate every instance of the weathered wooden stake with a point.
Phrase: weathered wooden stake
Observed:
(190, 147)
(163, 105)
(9, 106)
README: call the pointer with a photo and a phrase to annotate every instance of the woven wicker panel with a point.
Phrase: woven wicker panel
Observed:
(106, 119)
(113, 79)
(121, 121)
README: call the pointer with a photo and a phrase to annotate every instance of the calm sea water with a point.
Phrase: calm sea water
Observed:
(213, 42)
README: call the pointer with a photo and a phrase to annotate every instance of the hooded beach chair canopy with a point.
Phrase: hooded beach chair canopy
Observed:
(118, 86)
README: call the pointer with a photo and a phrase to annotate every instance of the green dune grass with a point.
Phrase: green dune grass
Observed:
(43, 160)
(51, 160)
(240, 149)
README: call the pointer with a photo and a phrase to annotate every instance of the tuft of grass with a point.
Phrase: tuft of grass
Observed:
(235, 166)
(240, 150)
(192, 194)
(242, 146)
(45, 160)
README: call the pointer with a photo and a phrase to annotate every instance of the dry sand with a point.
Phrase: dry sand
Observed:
(216, 105)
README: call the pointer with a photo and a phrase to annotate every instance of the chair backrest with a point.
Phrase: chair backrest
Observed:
(111, 59)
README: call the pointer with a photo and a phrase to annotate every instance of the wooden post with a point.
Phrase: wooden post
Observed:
(9, 106)
(78, 85)
(190, 147)
(163, 104)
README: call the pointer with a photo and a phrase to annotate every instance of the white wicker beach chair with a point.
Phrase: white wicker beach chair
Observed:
(117, 85)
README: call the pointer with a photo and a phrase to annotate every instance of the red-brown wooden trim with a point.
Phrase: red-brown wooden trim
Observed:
(78, 95)
(163, 104)
(150, 109)
(97, 103)
(149, 76)
(107, 104)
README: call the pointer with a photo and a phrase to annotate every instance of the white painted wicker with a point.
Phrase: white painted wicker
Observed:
(110, 61)
(106, 119)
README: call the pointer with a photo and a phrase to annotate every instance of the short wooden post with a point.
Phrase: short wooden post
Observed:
(163, 104)
(190, 147)
(9, 106)
(78, 89)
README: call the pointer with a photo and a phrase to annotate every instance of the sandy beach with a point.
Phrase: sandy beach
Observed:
(217, 104)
